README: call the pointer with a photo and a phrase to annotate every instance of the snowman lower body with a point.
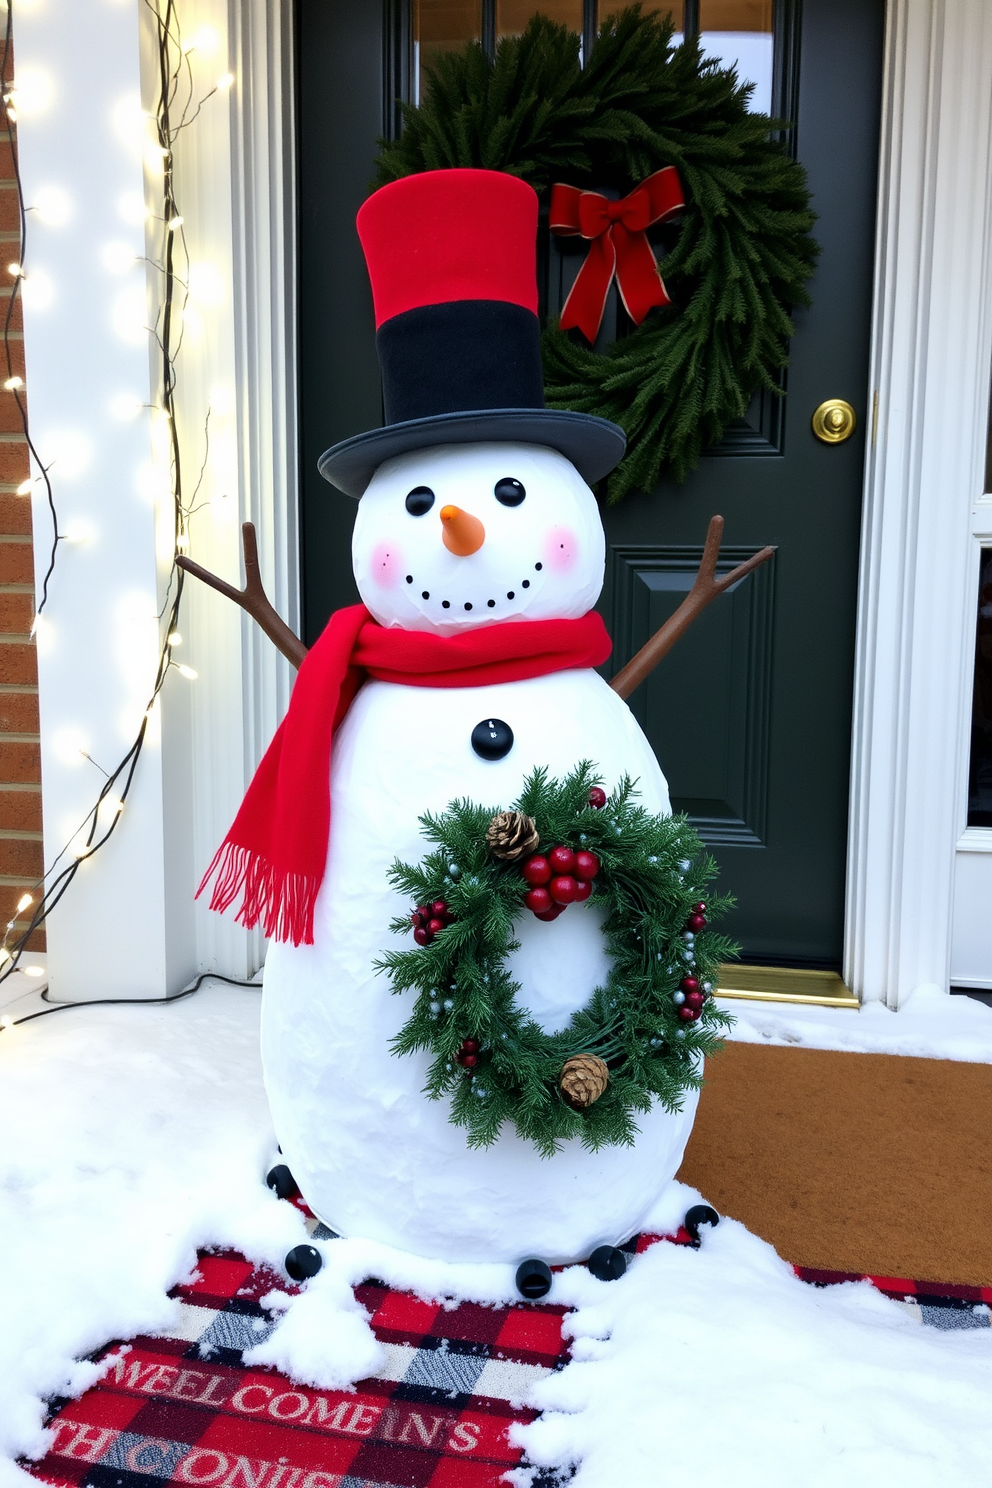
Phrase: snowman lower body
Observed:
(373, 1156)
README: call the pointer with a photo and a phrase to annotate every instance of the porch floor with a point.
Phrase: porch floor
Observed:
(136, 1136)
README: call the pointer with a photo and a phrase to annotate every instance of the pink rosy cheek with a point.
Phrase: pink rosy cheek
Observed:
(385, 565)
(561, 549)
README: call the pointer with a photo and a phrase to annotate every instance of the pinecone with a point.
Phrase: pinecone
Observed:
(511, 835)
(584, 1077)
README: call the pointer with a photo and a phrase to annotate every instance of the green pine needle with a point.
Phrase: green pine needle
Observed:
(461, 988)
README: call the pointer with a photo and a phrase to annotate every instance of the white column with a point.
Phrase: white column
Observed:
(127, 925)
(931, 356)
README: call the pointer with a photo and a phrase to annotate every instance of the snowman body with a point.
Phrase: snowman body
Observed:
(372, 1154)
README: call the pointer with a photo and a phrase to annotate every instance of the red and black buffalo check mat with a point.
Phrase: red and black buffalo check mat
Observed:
(183, 1407)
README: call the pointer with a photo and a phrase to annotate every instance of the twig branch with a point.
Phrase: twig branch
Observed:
(252, 597)
(705, 589)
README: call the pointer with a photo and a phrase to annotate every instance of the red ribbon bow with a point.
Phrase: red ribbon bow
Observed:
(619, 245)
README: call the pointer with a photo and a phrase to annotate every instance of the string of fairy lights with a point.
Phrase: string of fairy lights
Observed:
(176, 109)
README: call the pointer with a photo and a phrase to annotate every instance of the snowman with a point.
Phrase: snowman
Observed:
(479, 554)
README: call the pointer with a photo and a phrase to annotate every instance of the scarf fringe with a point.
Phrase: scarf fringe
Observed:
(283, 901)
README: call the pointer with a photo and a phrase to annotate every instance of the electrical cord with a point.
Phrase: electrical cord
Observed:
(62, 1007)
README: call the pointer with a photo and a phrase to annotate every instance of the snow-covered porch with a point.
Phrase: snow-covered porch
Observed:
(138, 1135)
(135, 1136)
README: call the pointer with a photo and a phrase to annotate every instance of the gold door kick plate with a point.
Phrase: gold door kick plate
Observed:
(785, 984)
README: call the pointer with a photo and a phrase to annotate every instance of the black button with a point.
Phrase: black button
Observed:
(492, 739)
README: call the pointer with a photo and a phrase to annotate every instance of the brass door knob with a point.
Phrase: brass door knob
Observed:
(834, 421)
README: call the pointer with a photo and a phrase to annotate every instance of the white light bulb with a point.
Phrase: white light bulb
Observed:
(79, 531)
(70, 745)
(221, 400)
(225, 81)
(206, 284)
(13, 382)
(175, 223)
(25, 488)
(205, 39)
(133, 208)
(25, 902)
(126, 407)
(16, 270)
(37, 291)
(118, 257)
(34, 971)
(52, 206)
(32, 91)
(175, 639)
(6, 1021)
(70, 452)
(187, 671)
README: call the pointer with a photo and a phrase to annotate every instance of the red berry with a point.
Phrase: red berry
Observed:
(699, 908)
(538, 899)
(434, 927)
(469, 1061)
(423, 914)
(696, 922)
(694, 1000)
(552, 913)
(687, 1014)
(689, 984)
(537, 869)
(597, 798)
(470, 1046)
(562, 859)
(422, 935)
(583, 888)
(438, 909)
(563, 889)
(415, 919)
(586, 865)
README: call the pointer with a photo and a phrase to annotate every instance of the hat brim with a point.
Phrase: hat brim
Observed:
(594, 445)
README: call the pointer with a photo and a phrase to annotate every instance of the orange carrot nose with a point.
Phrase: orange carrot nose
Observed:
(461, 533)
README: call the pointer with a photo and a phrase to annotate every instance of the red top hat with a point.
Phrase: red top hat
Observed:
(452, 259)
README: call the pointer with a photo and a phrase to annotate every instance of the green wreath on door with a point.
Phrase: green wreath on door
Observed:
(741, 255)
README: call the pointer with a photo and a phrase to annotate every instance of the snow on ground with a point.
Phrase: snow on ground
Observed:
(929, 1024)
(132, 1135)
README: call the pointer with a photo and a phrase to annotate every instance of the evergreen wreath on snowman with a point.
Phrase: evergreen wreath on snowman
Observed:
(639, 1037)
(469, 671)
(669, 132)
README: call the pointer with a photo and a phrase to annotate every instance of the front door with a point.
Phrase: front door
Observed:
(750, 715)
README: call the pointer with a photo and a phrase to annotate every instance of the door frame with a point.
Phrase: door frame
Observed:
(924, 500)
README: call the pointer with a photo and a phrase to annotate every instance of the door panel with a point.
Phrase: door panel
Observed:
(750, 715)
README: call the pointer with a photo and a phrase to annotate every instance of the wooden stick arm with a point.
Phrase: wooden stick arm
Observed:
(252, 597)
(705, 589)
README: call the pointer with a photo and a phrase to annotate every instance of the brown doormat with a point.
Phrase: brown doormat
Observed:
(871, 1163)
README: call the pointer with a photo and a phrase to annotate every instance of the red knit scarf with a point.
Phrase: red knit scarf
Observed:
(274, 854)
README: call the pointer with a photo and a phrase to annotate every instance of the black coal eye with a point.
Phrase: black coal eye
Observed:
(509, 491)
(419, 501)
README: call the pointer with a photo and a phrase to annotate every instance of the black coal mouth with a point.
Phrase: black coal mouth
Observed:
(489, 603)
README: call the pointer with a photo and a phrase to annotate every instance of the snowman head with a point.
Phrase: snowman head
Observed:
(470, 534)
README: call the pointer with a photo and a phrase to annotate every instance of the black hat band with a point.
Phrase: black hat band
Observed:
(459, 356)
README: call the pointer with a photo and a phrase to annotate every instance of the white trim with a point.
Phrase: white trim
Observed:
(975, 840)
(235, 185)
(930, 363)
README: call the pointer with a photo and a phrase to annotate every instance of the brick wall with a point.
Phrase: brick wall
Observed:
(20, 753)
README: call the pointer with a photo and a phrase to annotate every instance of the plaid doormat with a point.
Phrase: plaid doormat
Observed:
(183, 1407)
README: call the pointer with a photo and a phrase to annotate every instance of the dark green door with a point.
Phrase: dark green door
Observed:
(751, 714)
